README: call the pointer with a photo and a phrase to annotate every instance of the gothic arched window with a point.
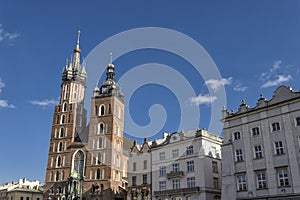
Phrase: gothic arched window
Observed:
(64, 108)
(78, 161)
(57, 176)
(100, 128)
(99, 159)
(100, 143)
(61, 132)
(101, 110)
(98, 174)
(62, 119)
(60, 147)
(58, 162)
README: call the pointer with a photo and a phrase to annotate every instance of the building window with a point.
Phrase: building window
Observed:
(176, 183)
(241, 183)
(297, 121)
(275, 126)
(255, 131)
(190, 166)
(99, 159)
(78, 162)
(278, 148)
(75, 91)
(191, 182)
(63, 175)
(62, 119)
(100, 128)
(61, 134)
(239, 155)
(145, 164)
(101, 110)
(57, 176)
(216, 182)
(236, 136)
(258, 152)
(162, 171)
(190, 150)
(175, 153)
(64, 108)
(176, 167)
(162, 185)
(134, 180)
(144, 178)
(134, 166)
(100, 143)
(66, 92)
(283, 178)
(60, 147)
(162, 156)
(98, 174)
(261, 180)
(58, 161)
(215, 167)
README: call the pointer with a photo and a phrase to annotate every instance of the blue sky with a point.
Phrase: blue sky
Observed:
(254, 44)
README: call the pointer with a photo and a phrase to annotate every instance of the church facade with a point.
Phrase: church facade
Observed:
(86, 161)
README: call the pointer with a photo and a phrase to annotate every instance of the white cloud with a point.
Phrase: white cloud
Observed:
(240, 88)
(276, 65)
(280, 79)
(203, 99)
(5, 104)
(4, 35)
(215, 84)
(267, 75)
(44, 102)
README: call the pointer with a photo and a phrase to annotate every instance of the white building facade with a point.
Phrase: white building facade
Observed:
(187, 166)
(139, 174)
(261, 147)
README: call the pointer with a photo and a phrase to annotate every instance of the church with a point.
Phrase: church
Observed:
(87, 161)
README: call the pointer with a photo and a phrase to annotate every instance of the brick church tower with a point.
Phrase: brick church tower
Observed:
(93, 153)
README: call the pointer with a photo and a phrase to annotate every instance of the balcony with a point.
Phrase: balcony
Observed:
(173, 174)
(181, 191)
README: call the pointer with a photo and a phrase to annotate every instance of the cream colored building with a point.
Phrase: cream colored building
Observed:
(21, 190)
(139, 172)
(261, 156)
(187, 166)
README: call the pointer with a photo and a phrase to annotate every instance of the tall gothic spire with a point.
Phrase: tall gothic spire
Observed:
(76, 60)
